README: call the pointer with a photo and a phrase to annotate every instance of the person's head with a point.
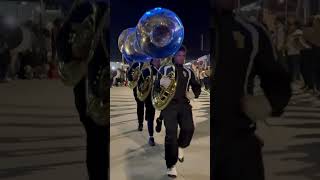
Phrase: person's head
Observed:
(226, 5)
(180, 56)
(156, 62)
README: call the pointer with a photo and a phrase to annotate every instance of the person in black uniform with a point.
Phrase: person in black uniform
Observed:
(178, 112)
(240, 47)
(140, 104)
(97, 135)
(150, 110)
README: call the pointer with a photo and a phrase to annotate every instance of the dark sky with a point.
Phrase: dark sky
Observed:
(193, 14)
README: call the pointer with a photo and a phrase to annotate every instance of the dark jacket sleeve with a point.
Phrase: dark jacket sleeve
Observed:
(195, 85)
(275, 81)
(156, 83)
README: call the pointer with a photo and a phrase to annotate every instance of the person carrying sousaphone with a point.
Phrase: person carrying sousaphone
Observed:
(179, 111)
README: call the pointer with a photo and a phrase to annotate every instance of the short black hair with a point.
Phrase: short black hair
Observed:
(182, 48)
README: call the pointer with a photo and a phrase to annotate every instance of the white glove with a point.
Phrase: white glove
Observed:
(190, 95)
(165, 81)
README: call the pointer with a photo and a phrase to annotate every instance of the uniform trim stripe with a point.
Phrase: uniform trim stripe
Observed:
(255, 49)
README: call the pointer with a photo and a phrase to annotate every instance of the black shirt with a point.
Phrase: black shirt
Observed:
(185, 77)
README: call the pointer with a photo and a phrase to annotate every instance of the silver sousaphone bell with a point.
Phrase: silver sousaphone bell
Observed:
(75, 42)
(160, 34)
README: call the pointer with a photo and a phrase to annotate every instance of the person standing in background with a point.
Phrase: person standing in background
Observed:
(279, 39)
(306, 64)
(54, 32)
(293, 48)
(5, 60)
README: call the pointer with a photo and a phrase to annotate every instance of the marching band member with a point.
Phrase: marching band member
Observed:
(178, 112)
(241, 47)
(73, 53)
(137, 66)
(152, 70)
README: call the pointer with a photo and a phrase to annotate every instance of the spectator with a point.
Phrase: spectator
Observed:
(293, 49)
(279, 39)
(56, 26)
(5, 59)
(311, 35)
(306, 64)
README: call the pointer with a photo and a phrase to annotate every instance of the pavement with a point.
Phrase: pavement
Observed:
(292, 142)
(133, 159)
(41, 137)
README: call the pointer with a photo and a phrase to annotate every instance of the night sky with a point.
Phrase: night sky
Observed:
(193, 14)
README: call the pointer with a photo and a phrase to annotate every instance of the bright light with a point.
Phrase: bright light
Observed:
(113, 68)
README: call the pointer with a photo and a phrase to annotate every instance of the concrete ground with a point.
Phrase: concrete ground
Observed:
(41, 137)
(133, 159)
(292, 142)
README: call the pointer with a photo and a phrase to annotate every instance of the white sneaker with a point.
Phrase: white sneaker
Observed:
(172, 172)
(180, 155)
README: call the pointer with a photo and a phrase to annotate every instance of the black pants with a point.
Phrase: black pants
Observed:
(294, 67)
(140, 107)
(206, 82)
(177, 114)
(306, 67)
(97, 138)
(150, 113)
(282, 59)
(316, 66)
(4, 68)
(240, 159)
